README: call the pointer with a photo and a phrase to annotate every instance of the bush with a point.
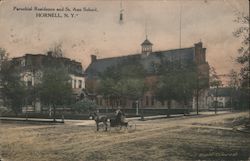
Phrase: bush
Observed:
(4, 110)
(84, 105)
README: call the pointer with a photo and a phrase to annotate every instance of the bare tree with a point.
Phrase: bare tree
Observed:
(3, 60)
(3, 56)
(244, 55)
(244, 58)
(233, 83)
(215, 82)
(56, 50)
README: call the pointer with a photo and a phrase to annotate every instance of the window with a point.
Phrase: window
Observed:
(100, 102)
(28, 77)
(79, 83)
(74, 84)
(152, 100)
(29, 83)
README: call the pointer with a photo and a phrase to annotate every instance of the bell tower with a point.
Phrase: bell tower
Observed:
(146, 47)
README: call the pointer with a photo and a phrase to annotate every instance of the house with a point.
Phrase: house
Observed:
(1, 97)
(222, 95)
(30, 67)
(228, 97)
(149, 59)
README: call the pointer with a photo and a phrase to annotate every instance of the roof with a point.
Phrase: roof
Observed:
(100, 65)
(38, 61)
(221, 92)
(229, 91)
(146, 42)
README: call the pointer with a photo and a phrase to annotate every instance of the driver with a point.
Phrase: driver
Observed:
(119, 115)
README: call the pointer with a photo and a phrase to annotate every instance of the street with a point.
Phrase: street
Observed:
(203, 137)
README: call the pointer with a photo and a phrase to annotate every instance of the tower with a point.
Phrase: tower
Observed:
(146, 47)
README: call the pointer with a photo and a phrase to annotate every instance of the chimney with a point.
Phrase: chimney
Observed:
(198, 52)
(49, 53)
(93, 58)
(198, 45)
(204, 55)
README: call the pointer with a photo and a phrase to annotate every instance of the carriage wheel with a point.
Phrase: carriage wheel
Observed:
(118, 128)
(131, 125)
(104, 127)
(101, 127)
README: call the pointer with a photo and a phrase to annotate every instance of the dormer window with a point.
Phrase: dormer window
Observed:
(23, 62)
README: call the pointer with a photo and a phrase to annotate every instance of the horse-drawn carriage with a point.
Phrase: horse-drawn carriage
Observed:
(109, 122)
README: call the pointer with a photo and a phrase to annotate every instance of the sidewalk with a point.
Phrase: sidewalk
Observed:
(179, 115)
(87, 122)
(35, 120)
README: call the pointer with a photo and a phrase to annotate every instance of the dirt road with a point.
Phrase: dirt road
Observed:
(184, 138)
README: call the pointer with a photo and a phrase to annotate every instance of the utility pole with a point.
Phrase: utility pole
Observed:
(197, 91)
(216, 100)
(197, 101)
(142, 112)
(180, 23)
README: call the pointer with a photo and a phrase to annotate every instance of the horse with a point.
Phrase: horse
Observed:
(98, 119)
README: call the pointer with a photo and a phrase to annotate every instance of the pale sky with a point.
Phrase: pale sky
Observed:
(99, 32)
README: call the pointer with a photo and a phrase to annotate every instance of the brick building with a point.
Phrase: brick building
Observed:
(149, 59)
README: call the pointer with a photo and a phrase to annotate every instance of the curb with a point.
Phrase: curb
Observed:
(30, 121)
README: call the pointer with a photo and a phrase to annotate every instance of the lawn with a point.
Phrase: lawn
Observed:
(186, 138)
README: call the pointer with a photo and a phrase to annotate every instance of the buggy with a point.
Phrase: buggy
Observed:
(118, 124)
(106, 122)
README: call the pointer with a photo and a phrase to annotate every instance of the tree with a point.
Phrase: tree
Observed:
(55, 88)
(123, 81)
(177, 82)
(186, 86)
(233, 79)
(165, 90)
(244, 58)
(3, 56)
(202, 82)
(233, 84)
(215, 82)
(13, 88)
(56, 50)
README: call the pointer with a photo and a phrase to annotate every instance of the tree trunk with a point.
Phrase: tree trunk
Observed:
(197, 101)
(169, 107)
(249, 115)
(231, 100)
(186, 109)
(216, 100)
(54, 113)
(142, 112)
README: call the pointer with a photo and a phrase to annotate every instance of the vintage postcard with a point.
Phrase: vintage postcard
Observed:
(124, 80)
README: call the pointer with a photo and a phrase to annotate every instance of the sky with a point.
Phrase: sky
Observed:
(99, 32)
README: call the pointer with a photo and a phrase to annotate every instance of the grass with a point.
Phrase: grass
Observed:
(164, 139)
